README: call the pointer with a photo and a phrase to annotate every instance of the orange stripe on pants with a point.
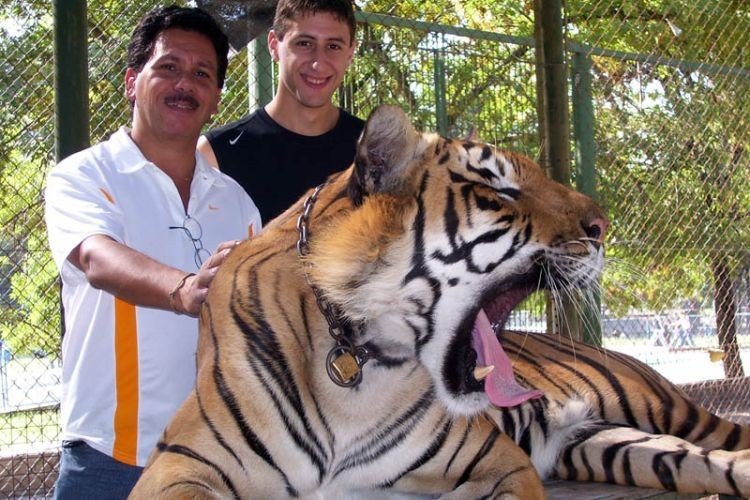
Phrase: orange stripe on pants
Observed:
(126, 382)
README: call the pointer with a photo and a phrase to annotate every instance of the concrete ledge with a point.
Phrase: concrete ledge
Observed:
(574, 490)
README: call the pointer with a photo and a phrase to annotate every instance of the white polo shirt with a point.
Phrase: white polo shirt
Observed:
(126, 369)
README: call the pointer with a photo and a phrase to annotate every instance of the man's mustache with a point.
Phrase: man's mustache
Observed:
(182, 98)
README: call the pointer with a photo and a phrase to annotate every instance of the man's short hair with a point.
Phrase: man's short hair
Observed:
(141, 44)
(291, 10)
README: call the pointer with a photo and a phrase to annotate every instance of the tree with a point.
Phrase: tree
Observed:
(673, 137)
(672, 141)
(28, 315)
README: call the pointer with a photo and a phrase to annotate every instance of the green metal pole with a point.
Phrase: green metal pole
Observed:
(563, 314)
(441, 113)
(541, 97)
(541, 114)
(260, 69)
(585, 155)
(71, 87)
(583, 125)
(556, 91)
(71, 77)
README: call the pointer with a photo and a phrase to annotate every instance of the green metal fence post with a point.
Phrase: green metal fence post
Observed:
(441, 115)
(556, 91)
(585, 157)
(260, 73)
(71, 87)
(583, 125)
(562, 315)
(71, 77)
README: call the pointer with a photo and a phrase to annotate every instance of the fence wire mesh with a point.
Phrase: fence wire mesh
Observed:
(669, 81)
(672, 137)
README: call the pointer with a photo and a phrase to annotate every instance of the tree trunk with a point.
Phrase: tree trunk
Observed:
(726, 310)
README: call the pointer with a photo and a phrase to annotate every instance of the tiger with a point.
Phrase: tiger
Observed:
(358, 346)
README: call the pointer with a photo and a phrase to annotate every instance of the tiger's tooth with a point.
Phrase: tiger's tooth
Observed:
(481, 372)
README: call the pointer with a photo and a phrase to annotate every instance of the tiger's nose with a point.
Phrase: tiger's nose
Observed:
(596, 229)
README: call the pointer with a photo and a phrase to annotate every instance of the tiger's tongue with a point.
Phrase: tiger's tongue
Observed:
(500, 385)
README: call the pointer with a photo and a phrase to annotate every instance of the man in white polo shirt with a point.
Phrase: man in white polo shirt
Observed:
(131, 224)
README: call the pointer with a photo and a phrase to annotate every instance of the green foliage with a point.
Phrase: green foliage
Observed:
(26, 145)
(30, 311)
(673, 172)
(672, 161)
(509, 17)
(489, 86)
(29, 318)
(29, 427)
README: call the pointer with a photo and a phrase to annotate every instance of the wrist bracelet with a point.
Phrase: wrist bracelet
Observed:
(176, 289)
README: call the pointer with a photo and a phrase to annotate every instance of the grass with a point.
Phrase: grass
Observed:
(30, 427)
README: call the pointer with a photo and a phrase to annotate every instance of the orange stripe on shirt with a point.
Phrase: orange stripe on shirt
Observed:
(125, 448)
(106, 194)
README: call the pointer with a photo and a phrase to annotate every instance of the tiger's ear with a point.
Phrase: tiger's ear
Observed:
(387, 146)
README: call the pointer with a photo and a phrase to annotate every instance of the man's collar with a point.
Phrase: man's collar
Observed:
(131, 158)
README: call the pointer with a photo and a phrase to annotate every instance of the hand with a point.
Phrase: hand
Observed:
(191, 296)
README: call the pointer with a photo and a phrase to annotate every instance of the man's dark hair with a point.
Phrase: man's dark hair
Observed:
(291, 10)
(141, 44)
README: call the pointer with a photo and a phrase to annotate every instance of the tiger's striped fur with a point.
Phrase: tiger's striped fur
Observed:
(417, 240)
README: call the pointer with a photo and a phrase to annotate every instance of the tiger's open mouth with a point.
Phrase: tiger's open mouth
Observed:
(500, 384)
(479, 362)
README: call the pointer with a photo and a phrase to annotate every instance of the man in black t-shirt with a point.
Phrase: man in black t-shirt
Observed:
(276, 153)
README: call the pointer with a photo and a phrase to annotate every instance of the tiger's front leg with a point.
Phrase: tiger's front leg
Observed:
(191, 461)
(181, 477)
(492, 467)
(627, 456)
(501, 471)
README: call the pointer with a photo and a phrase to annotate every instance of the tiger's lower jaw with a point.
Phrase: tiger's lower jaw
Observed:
(477, 371)
(466, 405)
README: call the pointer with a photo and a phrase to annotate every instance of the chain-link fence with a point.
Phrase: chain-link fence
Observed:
(667, 82)
(672, 131)
(29, 315)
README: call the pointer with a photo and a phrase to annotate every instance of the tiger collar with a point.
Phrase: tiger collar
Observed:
(345, 360)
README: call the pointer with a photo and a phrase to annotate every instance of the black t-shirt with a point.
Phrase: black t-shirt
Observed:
(276, 166)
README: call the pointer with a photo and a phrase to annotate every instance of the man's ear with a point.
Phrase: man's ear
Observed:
(215, 107)
(353, 49)
(273, 45)
(130, 77)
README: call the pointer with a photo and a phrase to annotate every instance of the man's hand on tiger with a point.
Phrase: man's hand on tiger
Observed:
(192, 295)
